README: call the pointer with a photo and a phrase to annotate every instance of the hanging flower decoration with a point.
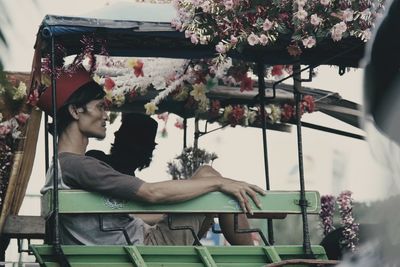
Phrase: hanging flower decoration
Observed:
(326, 213)
(350, 227)
(13, 119)
(190, 82)
(301, 24)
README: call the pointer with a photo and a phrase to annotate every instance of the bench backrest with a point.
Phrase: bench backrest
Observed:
(274, 202)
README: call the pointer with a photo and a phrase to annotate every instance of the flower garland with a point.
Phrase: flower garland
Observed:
(326, 213)
(125, 79)
(350, 231)
(233, 24)
(185, 164)
(351, 228)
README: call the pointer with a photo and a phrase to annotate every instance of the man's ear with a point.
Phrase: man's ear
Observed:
(73, 111)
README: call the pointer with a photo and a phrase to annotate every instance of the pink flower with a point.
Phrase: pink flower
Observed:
(109, 84)
(194, 39)
(228, 4)
(309, 42)
(22, 117)
(220, 48)
(315, 20)
(163, 116)
(179, 123)
(267, 25)
(33, 97)
(177, 24)
(5, 128)
(188, 33)
(337, 31)
(253, 39)
(263, 39)
(347, 15)
(205, 6)
(309, 103)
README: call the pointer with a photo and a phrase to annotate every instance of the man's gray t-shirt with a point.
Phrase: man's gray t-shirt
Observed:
(87, 173)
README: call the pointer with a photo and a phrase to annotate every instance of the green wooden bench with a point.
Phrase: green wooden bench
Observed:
(275, 203)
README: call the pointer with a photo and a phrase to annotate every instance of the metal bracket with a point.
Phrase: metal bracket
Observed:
(184, 227)
(121, 229)
(251, 230)
(20, 243)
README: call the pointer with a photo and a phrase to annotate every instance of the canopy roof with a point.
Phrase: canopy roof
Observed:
(158, 39)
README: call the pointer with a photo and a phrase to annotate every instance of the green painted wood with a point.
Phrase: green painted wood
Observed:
(172, 256)
(206, 257)
(272, 254)
(135, 256)
(78, 201)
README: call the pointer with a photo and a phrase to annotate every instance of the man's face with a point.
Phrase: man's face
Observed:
(92, 121)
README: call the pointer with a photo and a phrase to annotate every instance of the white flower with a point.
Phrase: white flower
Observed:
(2, 89)
(220, 48)
(301, 3)
(301, 14)
(325, 2)
(20, 92)
(315, 20)
(348, 14)
(267, 25)
(159, 82)
(204, 39)
(1, 117)
(309, 42)
(275, 113)
(341, 26)
(366, 35)
(263, 39)
(253, 39)
(150, 108)
(198, 92)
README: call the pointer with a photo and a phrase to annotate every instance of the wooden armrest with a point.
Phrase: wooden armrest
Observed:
(274, 202)
(30, 227)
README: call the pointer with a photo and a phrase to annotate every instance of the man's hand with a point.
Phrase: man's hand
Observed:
(242, 191)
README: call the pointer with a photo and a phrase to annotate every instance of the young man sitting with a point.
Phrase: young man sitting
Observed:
(81, 115)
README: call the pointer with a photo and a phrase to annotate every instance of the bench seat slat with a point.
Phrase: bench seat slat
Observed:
(274, 202)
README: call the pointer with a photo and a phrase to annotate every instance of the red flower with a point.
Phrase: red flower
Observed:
(309, 103)
(33, 97)
(138, 68)
(247, 84)
(132, 94)
(236, 116)
(277, 70)
(179, 124)
(109, 84)
(287, 112)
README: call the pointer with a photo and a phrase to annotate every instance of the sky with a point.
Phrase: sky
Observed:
(332, 163)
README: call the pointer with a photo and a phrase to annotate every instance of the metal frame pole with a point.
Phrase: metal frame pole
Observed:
(261, 92)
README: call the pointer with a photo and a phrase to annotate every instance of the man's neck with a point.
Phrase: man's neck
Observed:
(73, 142)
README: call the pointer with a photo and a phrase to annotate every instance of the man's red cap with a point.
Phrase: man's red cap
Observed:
(66, 84)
